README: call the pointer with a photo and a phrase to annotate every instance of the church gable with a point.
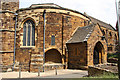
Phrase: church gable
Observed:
(97, 33)
(82, 34)
(96, 37)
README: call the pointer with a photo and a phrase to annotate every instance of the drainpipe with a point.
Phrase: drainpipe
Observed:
(44, 13)
(15, 39)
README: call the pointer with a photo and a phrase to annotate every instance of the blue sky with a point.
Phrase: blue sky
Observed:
(104, 10)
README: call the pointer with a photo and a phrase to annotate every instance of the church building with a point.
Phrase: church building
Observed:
(48, 35)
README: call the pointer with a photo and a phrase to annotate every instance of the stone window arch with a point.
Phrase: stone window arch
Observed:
(29, 33)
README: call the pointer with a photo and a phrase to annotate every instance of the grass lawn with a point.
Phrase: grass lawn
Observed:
(105, 76)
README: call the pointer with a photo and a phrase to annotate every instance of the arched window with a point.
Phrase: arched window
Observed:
(52, 40)
(29, 33)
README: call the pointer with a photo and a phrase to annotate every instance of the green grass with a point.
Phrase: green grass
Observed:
(106, 75)
(109, 56)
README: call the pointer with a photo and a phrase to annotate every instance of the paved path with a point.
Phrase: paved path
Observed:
(70, 75)
(63, 73)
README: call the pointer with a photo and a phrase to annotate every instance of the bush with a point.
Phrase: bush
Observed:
(115, 55)
(104, 75)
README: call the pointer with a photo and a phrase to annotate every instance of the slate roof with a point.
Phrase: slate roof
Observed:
(101, 23)
(82, 34)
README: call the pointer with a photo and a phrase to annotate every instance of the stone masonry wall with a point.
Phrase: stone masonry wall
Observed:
(95, 37)
(7, 21)
(11, 5)
(7, 42)
(7, 60)
(7, 25)
(7, 39)
(58, 24)
(112, 38)
(77, 55)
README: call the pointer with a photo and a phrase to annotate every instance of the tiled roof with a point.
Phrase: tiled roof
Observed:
(82, 34)
(101, 23)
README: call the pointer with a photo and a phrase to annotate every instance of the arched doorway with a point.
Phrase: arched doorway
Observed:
(53, 56)
(98, 53)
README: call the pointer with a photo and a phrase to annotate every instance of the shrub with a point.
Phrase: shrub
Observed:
(115, 55)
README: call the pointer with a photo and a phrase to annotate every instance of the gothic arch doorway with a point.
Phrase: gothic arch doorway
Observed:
(98, 53)
(53, 56)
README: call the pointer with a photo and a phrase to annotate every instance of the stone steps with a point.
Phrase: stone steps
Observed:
(32, 63)
(32, 60)
(36, 62)
(37, 55)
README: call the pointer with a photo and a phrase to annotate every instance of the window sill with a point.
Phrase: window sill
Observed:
(27, 46)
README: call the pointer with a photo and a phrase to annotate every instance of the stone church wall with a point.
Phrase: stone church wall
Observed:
(77, 55)
(95, 37)
(11, 5)
(61, 25)
(7, 27)
(112, 38)
(7, 39)
(58, 22)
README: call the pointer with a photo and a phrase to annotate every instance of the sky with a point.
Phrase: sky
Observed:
(104, 10)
